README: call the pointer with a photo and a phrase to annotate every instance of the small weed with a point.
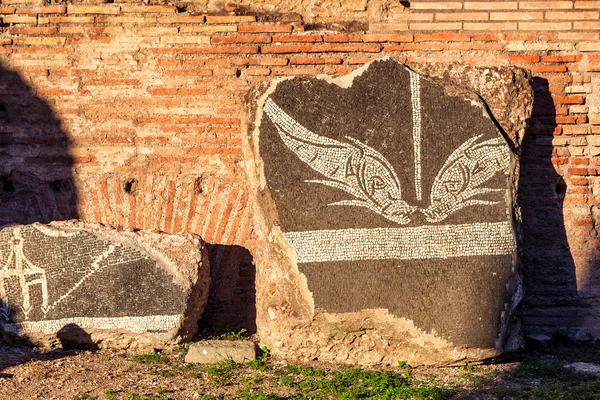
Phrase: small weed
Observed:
(222, 373)
(231, 335)
(151, 357)
(110, 393)
(248, 395)
(469, 367)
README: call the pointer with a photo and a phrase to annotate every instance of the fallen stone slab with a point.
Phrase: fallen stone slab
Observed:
(216, 351)
(388, 198)
(585, 368)
(87, 284)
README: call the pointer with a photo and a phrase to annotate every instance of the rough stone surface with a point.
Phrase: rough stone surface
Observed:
(215, 351)
(586, 368)
(390, 206)
(94, 285)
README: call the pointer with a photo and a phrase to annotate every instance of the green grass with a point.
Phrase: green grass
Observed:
(151, 357)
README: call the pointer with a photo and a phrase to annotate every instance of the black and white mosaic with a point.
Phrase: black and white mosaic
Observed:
(386, 186)
(53, 278)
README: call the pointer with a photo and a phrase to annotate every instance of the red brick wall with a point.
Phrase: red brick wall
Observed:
(136, 111)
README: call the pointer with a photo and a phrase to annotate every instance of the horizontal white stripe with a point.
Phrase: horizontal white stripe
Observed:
(423, 242)
(156, 323)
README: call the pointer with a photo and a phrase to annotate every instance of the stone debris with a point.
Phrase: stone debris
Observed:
(585, 368)
(216, 351)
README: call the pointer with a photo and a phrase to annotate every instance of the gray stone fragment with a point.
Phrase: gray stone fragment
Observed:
(586, 368)
(215, 351)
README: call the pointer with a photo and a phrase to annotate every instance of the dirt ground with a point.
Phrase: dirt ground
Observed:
(28, 373)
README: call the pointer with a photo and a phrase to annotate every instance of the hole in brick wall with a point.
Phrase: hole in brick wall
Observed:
(238, 73)
(3, 111)
(56, 186)
(7, 185)
(198, 185)
(130, 186)
(405, 3)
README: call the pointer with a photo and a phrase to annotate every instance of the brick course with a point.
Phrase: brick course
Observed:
(149, 100)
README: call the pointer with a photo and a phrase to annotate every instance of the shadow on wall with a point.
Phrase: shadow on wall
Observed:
(552, 304)
(36, 182)
(232, 297)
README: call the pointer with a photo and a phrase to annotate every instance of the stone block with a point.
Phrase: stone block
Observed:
(216, 351)
(388, 196)
(88, 284)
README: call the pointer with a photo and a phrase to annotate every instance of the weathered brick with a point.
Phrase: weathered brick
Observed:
(7, 10)
(207, 28)
(96, 9)
(516, 16)
(490, 26)
(572, 15)
(241, 39)
(65, 20)
(587, 4)
(387, 37)
(185, 39)
(390, 27)
(321, 48)
(182, 19)
(260, 61)
(27, 30)
(266, 28)
(488, 5)
(442, 37)
(545, 5)
(548, 68)
(229, 19)
(342, 37)
(148, 9)
(587, 25)
(524, 59)
(19, 19)
(588, 46)
(314, 60)
(545, 26)
(435, 26)
(39, 41)
(562, 58)
(472, 16)
(43, 10)
(440, 5)
(297, 38)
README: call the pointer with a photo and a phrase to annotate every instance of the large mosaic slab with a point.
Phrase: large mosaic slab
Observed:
(114, 287)
(397, 196)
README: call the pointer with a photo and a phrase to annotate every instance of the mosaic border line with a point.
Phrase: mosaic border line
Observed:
(156, 323)
(423, 242)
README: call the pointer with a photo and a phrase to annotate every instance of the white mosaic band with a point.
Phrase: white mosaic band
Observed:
(156, 323)
(423, 242)
(415, 97)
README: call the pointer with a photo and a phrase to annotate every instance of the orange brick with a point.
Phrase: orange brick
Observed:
(297, 38)
(435, 26)
(177, 92)
(563, 58)
(545, 26)
(442, 5)
(39, 41)
(548, 68)
(174, 39)
(43, 10)
(19, 19)
(296, 71)
(587, 4)
(42, 30)
(99, 9)
(545, 5)
(584, 26)
(314, 60)
(572, 15)
(486, 37)
(266, 28)
(206, 50)
(321, 48)
(519, 36)
(257, 71)
(65, 20)
(7, 10)
(490, 26)
(168, 63)
(516, 16)
(488, 5)
(241, 39)
(259, 61)
(148, 9)
(415, 47)
(473, 16)
(229, 19)
(342, 38)
(524, 59)
(181, 19)
(442, 37)
(387, 37)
